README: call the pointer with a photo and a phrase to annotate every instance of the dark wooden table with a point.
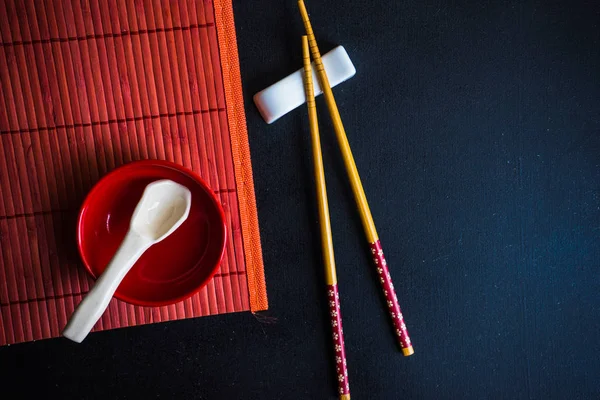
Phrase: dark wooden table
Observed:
(476, 130)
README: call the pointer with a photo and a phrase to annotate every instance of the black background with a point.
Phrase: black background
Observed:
(476, 130)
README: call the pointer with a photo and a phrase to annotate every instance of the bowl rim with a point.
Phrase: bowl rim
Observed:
(152, 163)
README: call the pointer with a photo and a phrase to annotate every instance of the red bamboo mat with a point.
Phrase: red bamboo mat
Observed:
(85, 87)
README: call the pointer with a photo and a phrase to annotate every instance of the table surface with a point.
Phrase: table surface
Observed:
(476, 130)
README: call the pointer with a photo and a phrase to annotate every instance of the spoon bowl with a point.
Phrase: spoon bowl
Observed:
(162, 209)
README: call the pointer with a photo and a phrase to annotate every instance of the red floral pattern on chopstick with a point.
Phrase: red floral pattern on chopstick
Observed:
(333, 298)
(391, 298)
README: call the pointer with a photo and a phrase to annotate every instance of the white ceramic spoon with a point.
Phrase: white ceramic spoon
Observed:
(164, 206)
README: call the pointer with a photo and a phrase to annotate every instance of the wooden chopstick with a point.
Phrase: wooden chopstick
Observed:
(359, 193)
(333, 297)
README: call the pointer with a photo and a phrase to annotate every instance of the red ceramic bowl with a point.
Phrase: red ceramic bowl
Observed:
(171, 270)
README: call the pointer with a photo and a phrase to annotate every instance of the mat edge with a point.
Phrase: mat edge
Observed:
(236, 118)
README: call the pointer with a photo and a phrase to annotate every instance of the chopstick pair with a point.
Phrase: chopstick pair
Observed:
(359, 194)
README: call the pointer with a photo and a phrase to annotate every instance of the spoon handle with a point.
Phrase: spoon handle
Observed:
(93, 305)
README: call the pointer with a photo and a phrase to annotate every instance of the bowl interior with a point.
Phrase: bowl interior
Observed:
(170, 270)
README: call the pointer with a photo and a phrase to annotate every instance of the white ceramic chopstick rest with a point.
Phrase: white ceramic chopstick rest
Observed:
(164, 206)
(287, 94)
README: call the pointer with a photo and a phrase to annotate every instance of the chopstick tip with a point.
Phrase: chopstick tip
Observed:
(408, 351)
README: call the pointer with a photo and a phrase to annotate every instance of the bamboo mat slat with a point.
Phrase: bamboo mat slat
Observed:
(86, 87)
